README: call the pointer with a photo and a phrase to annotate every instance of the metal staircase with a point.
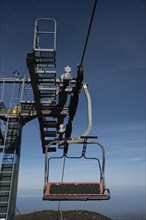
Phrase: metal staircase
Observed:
(9, 168)
(9, 164)
(41, 64)
(12, 119)
(50, 93)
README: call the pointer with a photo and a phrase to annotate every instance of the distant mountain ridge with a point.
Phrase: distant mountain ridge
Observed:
(67, 215)
(130, 217)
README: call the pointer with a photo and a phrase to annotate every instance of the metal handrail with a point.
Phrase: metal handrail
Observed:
(36, 32)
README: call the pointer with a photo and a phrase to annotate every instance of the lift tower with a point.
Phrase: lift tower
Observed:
(12, 118)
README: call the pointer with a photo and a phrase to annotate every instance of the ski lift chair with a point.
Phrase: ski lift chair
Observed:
(76, 190)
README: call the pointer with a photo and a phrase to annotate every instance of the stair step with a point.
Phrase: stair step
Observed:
(52, 149)
(5, 182)
(50, 124)
(27, 105)
(4, 196)
(3, 216)
(45, 62)
(3, 208)
(47, 75)
(50, 133)
(6, 167)
(14, 123)
(47, 96)
(9, 158)
(5, 172)
(27, 102)
(3, 203)
(47, 91)
(45, 58)
(5, 177)
(41, 71)
(4, 186)
(43, 53)
(48, 106)
(47, 82)
(44, 76)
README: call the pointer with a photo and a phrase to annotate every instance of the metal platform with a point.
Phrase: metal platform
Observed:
(75, 191)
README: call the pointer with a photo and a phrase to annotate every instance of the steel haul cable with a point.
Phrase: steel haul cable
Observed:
(88, 33)
(59, 210)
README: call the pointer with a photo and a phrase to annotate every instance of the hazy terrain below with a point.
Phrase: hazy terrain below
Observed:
(66, 215)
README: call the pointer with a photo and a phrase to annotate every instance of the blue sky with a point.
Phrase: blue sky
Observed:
(114, 67)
